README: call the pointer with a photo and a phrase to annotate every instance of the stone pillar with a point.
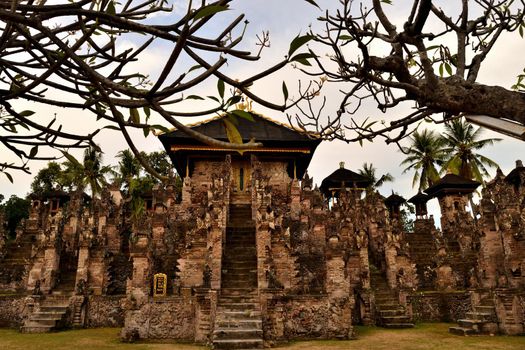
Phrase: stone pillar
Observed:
(51, 264)
(391, 246)
(263, 241)
(141, 265)
(337, 280)
(295, 200)
(186, 191)
(215, 258)
(83, 264)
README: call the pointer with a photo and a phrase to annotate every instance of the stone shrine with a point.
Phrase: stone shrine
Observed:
(252, 253)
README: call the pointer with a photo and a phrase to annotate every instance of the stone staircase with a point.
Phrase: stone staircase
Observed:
(51, 316)
(389, 312)
(66, 284)
(511, 321)
(238, 320)
(482, 320)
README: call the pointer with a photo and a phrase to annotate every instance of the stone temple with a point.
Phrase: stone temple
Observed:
(253, 254)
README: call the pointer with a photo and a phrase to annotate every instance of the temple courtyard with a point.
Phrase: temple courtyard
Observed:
(424, 336)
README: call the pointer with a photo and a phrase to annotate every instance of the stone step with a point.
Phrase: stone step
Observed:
(41, 322)
(251, 292)
(484, 309)
(233, 281)
(386, 300)
(239, 284)
(469, 323)
(392, 306)
(239, 257)
(45, 315)
(480, 316)
(398, 319)
(53, 308)
(238, 299)
(392, 312)
(462, 331)
(63, 291)
(238, 315)
(245, 232)
(255, 343)
(237, 333)
(240, 268)
(36, 329)
(222, 305)
(398, 325)
(239, 323)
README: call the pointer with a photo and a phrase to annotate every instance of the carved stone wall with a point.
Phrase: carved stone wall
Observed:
(105, 311)
(12, 311)
(439, 306)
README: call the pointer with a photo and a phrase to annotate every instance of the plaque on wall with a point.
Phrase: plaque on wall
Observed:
(160, 285)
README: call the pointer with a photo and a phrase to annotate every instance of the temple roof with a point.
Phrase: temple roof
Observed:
(394, 199)
(261, 129)
(277, 138)
(419, 198)
(452, 183)
(343, 178)
(514, 176)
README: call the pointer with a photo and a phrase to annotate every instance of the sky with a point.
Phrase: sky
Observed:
(284, 20)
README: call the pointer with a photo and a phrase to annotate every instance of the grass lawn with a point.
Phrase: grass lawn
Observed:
(424, 337)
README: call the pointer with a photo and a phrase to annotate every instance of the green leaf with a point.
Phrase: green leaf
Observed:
(209, 11)
(389, 2)
(147, 111)
(161, 128)
(146, 132)
(194, 97)
(194, 68)
(303, 58)
(345, 37)
(33, 151)
(9, 177)
(520, 30)
(220, 88)
(134, 115)
(234, 99)
(297, 42)
(441, 69)
(285, 92)
(111, 8)
(214, 98)
(26, 113)
(448, 68)
(111, 127)
(312, 2)
(233, 119)
(303, 61)
(231, 131)
(243, 114)
(71, 158)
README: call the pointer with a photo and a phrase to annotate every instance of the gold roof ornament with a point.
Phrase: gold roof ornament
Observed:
(245, 104)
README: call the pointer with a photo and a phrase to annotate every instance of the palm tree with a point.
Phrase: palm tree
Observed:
(424, 153)
(90, 172)
(128, 167)
(461, 142)
(369, 171)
